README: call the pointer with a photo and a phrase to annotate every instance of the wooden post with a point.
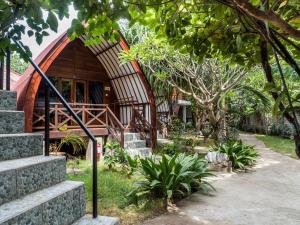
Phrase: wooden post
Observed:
(56, 116)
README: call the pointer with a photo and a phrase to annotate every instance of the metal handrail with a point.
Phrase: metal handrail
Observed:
(48, 84)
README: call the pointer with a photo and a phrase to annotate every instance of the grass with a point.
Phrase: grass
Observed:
(197, 140)
(279, 144)
(113, 186)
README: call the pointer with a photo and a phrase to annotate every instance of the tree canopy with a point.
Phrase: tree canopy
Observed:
(231, 28)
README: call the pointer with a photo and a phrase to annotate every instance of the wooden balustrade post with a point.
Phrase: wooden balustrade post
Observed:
(84, 120)
(106, 115)
(122, 138)
(56, 116)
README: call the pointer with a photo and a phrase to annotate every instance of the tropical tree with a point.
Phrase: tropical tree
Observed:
(207, 82)
(247, 32)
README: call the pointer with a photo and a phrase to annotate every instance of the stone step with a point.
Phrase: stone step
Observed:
(132, 136)
(8, 100)
(134, 144)
(11, 122)
(61, 204)
(101, 220)
(15, 146)
(142, 152)
(23, 176)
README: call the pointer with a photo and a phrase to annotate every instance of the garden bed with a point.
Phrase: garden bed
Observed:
(113, 186)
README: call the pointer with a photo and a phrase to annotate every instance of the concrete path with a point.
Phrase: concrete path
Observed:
(268, 196)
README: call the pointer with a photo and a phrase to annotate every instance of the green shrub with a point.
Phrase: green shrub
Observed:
(189, 142)
(114, 154)
(117, 155)
(78, 143)
(189, 127)
(169, 149)
(175, 127)
(171, 177)
(133, 164)
(240, 155)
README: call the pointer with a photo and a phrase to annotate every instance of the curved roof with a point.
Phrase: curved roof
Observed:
(127, 80)
(125, 77)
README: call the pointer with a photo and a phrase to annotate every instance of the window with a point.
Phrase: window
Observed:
(95, 92)
(66, 90)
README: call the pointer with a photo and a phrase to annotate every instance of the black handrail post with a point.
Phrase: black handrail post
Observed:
(7, 69)
(47, 120)
(95, 185)
(1, 73)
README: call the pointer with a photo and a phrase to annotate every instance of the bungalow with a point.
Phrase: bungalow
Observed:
(178, 105)
(108, 96)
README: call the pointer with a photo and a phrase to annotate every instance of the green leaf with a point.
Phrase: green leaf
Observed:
(282, 4)
(39, 38)
(169, 194)
(239, 42)
(154, 183)
(52, 21)
(30, 33)
(45, 33)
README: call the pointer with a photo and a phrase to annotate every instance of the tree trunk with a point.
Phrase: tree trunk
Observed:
(219, 130)
(270, 79)
(297, 145)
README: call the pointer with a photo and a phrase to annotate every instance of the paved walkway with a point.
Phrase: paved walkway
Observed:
(268, 196)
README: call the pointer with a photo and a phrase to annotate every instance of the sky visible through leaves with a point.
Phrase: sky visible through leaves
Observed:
(63, 25)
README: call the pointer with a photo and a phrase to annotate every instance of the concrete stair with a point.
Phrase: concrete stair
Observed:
(14, 146)
(11, 122)
(135, 146)
(33, 189)
(23, 176)
(61, 204)
(101, 220)
(8, 100)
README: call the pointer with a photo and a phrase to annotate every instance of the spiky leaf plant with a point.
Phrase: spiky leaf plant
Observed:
(172, 177)
(241, 156)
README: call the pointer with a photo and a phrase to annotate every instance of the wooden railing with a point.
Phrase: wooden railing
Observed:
(115, 127)
(92, 116)
(124, 105)
(141, 125)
